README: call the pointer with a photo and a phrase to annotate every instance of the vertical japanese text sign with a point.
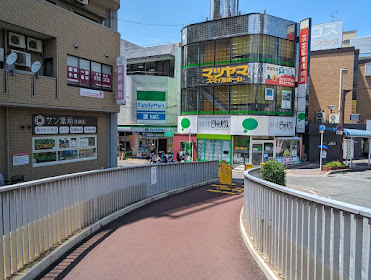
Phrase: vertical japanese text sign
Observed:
(304, 50)
(120, 81)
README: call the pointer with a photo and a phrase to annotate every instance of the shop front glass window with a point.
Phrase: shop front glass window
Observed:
(206, 100)
(201, 149)
(241, 49)
(243, 99)
(264, 106)
(241, 145)
(226, 150)
(222, 51)
(192, 55)
(207, 50)
(218, 150)
(221, 100)
(208, 149)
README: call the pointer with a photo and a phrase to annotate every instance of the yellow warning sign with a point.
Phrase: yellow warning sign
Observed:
(225, 174)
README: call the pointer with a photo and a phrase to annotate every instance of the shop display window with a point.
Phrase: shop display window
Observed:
(241, 149)
(63, 149)
(201, 149)
(287, 151)
(208, 149)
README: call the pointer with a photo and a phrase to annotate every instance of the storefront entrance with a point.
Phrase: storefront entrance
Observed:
(261, 151)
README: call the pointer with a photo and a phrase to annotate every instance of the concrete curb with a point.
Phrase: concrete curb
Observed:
(42, 265)
(258, 259)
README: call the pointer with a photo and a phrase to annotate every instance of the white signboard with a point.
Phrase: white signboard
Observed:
(327, 36)
(153, 175)
(214, 125)
(249, 125)
(286, 99)
(187, 124)
(281, 126)
(21, 159)
(91, 93)
(279, 75)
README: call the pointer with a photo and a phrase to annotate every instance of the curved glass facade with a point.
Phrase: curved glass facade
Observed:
(239, 75)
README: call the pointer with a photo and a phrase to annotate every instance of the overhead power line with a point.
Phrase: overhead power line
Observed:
(151, 24)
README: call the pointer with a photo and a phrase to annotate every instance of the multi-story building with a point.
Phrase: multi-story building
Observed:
(149, 117)
(238, 90)
(338, 61)
(58, 113)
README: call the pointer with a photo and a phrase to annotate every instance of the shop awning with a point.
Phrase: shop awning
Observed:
(124, 129)
(289, 138)
(357, 133)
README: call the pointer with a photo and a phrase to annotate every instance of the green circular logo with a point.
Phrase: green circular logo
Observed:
(301, 116)
(185, 123)
(249, 124)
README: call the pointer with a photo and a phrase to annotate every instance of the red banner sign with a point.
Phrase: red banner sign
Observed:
(73, 75)
(107, 81)
(96, 79)
(84, 77)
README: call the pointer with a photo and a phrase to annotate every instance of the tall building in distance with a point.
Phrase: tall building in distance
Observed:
(223, 8)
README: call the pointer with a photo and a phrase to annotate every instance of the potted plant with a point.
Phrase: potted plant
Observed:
(335, 165)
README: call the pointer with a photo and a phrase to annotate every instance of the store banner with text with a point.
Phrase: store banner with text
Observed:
(151, 106)
(225, 74)
(213, 125)
(120, 80)
(56, 124)
(279, 75)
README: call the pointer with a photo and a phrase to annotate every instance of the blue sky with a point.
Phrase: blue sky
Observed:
(355, 16)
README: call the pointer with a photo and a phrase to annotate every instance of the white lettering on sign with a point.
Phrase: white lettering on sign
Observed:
(46, 130)
(214, 124)
(91, 93)
(90, 129)
(77, 129)
(64, 129)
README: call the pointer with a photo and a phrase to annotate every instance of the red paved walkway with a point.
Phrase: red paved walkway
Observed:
(194, 235)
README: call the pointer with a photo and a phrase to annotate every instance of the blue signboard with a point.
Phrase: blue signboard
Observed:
(326, 36)
(151, 115)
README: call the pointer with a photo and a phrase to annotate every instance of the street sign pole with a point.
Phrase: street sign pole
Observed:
(320, 155)
(321, 131)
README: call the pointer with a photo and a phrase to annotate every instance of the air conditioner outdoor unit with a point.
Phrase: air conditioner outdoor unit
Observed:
(23, 58)
(320, 117)
(83, 2)
(334, 118)
(34, 45)
(17, 40)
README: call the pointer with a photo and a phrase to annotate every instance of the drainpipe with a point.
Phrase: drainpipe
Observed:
(8, 143)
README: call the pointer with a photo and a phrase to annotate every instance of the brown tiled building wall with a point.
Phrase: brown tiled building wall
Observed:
(60, 30)
(325, 81)
(363, 95)
(94, 42)
(21, 141)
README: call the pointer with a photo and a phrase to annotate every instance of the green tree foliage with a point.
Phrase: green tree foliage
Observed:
(274, 172)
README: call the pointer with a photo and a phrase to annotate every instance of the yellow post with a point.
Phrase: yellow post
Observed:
(225, 174)
(248, 166)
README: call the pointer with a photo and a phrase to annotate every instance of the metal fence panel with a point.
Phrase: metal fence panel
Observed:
(303, 236)
(39, 215)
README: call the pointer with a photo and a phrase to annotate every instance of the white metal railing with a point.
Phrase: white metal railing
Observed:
(303, 236)
(37, 216)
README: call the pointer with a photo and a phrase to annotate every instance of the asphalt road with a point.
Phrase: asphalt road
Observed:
(193, 235)
(350, 187)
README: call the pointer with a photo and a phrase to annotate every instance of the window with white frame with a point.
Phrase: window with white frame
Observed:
(368, 69)
(50, 150)
(88, 74)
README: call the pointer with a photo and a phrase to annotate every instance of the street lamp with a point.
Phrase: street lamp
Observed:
(331, 107)
(342, 113)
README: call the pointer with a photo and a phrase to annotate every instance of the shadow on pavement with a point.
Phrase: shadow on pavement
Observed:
(174, 207)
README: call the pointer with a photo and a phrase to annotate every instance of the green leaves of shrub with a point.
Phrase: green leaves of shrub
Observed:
(274, 172)
(334, 164)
